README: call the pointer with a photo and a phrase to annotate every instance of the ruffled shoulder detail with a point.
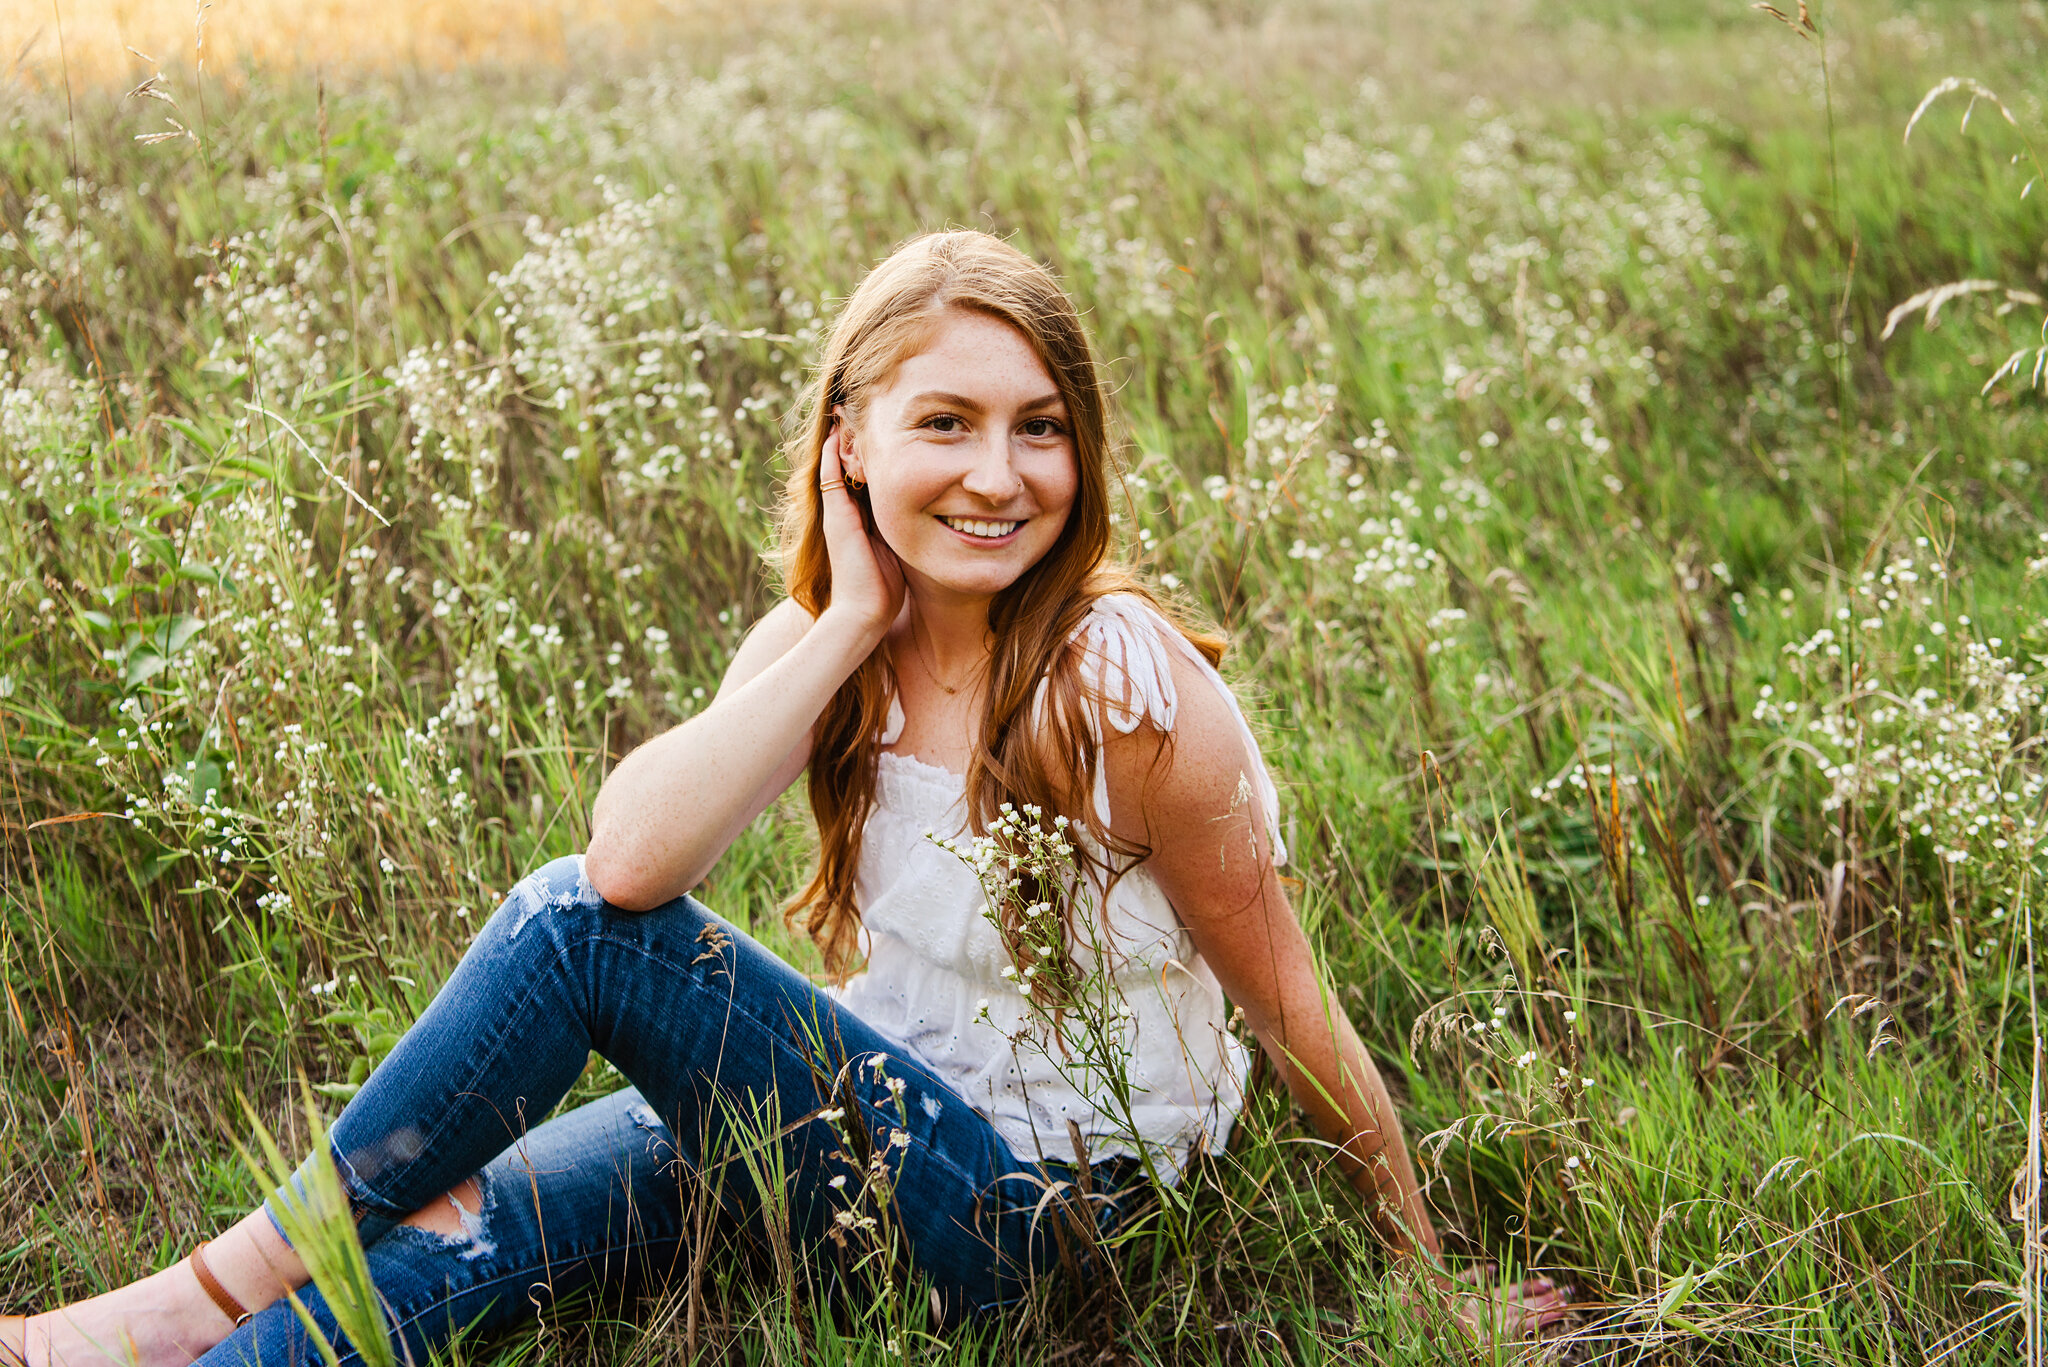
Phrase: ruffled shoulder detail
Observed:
(1125, 661)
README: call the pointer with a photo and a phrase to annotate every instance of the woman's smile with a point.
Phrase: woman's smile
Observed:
(984, 531)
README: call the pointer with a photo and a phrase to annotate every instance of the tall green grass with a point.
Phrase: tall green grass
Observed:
(1652, 657)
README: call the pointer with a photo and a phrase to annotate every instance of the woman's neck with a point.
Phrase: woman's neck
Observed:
(949, 632)
(952, 647)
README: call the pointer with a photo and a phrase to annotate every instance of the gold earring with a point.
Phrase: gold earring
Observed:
(856, 484)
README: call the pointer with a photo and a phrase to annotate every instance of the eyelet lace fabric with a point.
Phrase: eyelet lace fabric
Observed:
(934, 961)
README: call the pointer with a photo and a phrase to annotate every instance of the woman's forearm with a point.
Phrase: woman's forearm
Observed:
(1333, 1077)
(671, 807)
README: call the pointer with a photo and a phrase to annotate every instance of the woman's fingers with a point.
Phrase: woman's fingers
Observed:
(828, 457)
(866, 576)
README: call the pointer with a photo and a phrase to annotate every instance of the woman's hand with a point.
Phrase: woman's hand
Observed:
(867, 579)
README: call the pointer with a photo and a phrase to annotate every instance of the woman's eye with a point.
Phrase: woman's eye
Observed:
(1041, 427)
(944, 422)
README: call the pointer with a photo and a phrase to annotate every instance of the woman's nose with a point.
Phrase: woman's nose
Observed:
(992, 476)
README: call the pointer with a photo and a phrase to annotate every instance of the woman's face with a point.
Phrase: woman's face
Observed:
(968, 454)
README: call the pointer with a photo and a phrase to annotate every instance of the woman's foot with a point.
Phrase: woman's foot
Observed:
(164, 1320)
(1509, 1314)
(13, 1340)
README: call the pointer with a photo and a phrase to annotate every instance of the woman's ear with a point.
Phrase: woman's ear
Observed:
(849, 454)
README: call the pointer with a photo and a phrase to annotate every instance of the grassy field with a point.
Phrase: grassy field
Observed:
(1653, 654)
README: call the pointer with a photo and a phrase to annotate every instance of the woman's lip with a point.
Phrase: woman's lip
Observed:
(984, 542)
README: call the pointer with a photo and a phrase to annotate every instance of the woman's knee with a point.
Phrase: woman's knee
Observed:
(556, 907)
(556, 889)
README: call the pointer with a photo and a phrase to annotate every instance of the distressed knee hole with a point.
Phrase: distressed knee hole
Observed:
(457, 1219)
(559, 885)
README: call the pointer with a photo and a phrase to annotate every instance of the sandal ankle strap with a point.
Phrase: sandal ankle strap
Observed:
(215, 1292)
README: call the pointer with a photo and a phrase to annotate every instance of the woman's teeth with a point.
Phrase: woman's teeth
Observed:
(990, 530)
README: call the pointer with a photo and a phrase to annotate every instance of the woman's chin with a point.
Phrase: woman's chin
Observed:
(954, 571)
(952, 580)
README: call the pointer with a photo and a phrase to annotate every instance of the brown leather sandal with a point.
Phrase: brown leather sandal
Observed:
(215, 1292)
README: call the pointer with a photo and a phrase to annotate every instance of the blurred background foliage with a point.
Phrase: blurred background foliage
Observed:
(1651, 649)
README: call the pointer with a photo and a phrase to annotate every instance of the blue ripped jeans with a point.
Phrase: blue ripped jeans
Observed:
(746, 1078)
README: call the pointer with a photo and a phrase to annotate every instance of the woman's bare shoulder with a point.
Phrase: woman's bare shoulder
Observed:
(1193, 766)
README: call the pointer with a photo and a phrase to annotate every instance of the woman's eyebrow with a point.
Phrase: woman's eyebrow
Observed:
(941, 398)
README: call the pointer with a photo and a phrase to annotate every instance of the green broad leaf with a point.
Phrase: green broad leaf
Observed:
(1675, 1295)
(197, 573)
(157, 866)
(99, 621)
(161, 548)
(207, 776)
(339, 1091)
(143, 666)
(182, 631)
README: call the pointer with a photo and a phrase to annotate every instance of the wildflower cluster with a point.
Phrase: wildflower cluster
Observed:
(1919, 725)
(867, 1156)
(1039, 897)
(1030, 874)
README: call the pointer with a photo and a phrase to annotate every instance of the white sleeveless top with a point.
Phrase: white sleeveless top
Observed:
(934, 977)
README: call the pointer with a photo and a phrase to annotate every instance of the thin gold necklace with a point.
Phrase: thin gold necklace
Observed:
(932, 673)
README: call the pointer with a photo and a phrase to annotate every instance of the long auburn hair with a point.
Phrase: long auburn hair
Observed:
(1049, 759)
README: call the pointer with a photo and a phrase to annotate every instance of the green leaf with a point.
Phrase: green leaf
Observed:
(1675, 1294)
(143, 666)
(190, 431)
(161, 548)
(156, 867)
(250, 465)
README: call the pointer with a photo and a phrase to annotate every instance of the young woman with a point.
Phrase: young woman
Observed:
(955, 639)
